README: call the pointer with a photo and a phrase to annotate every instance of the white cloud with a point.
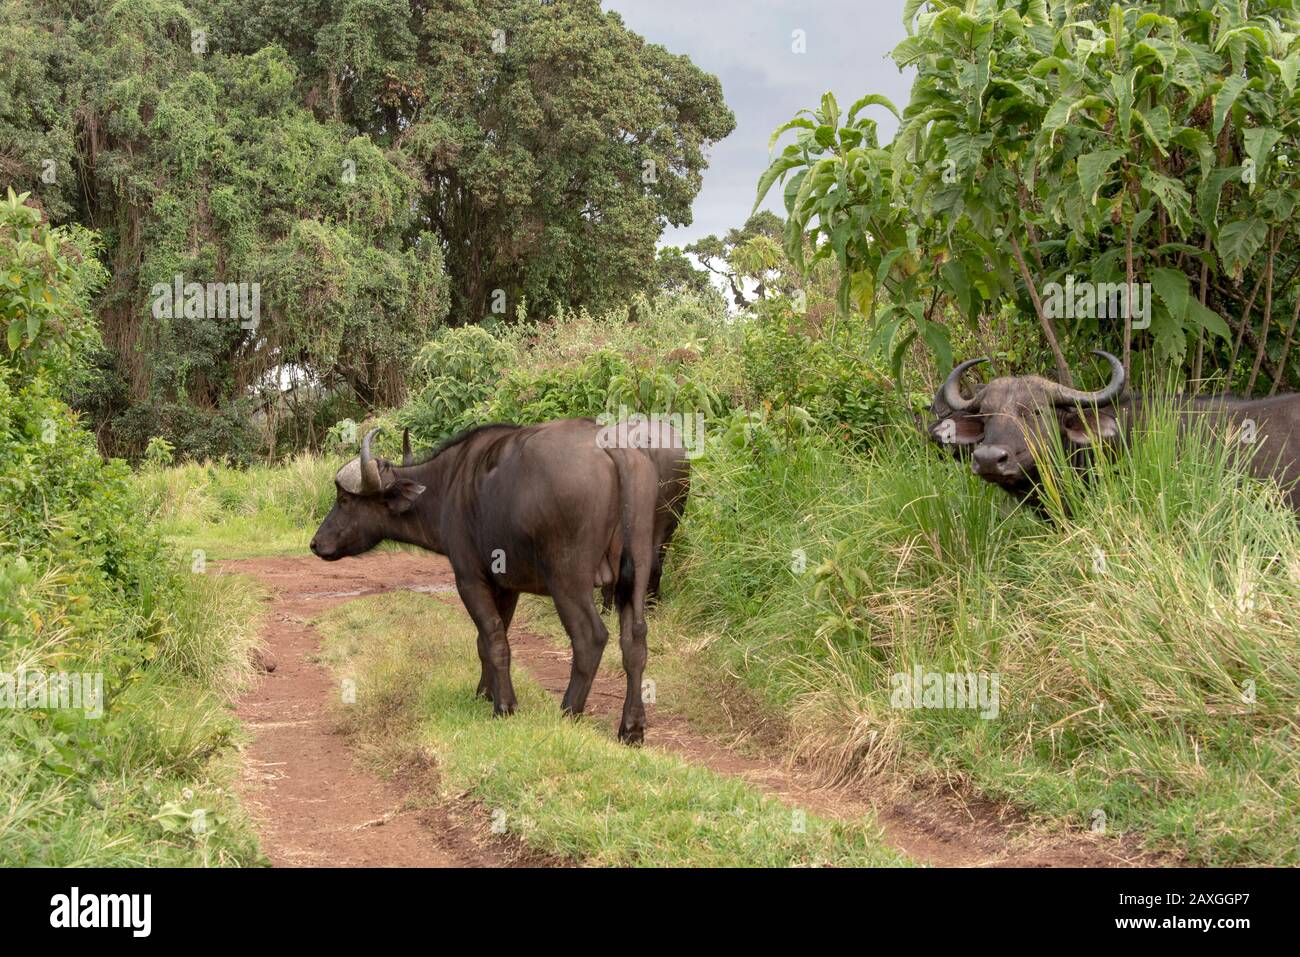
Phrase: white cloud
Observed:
(747, 44)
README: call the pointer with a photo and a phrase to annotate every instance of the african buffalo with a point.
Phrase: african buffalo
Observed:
(666, 449)
(554, 509)
(1010, 417)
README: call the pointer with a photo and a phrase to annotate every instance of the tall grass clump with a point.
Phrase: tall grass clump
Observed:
(232, 512)
(1144, 634)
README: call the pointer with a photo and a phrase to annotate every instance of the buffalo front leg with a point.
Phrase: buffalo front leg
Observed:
(486, 676)
(505, 602)
(493, 649)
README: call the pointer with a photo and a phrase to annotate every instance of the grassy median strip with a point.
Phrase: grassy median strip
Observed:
(565, 788)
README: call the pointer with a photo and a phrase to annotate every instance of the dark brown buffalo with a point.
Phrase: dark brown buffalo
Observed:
(1005, 421)
(666, 449)
(556, 509)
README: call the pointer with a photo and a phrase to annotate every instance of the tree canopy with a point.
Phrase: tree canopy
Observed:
(1049, 141)
(375, 168)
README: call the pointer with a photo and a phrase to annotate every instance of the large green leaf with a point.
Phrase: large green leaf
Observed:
(1207, 319)
(967, 149)
(1260, 141)
(1224, 99)
(1171, 195)
(1238, 242)
(1174, 288)
(872, 99)
(1287, 68)
(1121, 85)
(1157, 127)
(1092, 171)
(1210, 192)
(909, 14)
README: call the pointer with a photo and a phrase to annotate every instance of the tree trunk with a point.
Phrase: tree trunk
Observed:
(1127, 357)
(1049, 328)
(1286, 347)
(1268, 314)
(1200, 333)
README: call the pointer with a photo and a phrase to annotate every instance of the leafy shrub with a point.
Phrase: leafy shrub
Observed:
(159, 452)
(824, 375)
(457, 370)
(673, 354)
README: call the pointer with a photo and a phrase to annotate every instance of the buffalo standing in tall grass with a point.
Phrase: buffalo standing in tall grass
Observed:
(1006, 425)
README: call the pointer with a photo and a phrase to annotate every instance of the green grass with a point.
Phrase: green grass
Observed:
(1146, 640)
(240, 513)
(126, 790)
(565, 788)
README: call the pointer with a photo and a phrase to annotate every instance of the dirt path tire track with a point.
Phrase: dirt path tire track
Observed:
(314, 806)
(942, 830)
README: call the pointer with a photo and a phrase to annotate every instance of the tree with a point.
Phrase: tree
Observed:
(365, 164)
(551, 143)
(1039, 146)
(750, 256)
(675, 273)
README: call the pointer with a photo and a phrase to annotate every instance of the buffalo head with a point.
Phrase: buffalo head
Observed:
(372, 504)
(1010, 418)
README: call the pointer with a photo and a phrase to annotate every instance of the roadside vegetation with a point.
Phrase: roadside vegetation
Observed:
(138, 772)
(223, 512)
(1145, 646)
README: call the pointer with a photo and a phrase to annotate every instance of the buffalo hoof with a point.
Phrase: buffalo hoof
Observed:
(632, 736)
(503, 711)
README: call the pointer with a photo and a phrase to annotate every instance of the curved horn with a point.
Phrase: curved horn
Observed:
(1065, 395)
(369, 467)
(949, 391)
(407, 457)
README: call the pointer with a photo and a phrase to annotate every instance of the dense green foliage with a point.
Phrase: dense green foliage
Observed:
(375, 169)
(86, 588)
(679, 355)
(1146, 142)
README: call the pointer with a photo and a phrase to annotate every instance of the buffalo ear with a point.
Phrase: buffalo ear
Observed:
(401, 495)
(957, 429)
(1081, 425)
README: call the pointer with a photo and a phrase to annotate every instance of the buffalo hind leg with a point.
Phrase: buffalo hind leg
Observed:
(632, 632)
(493, 649)
(588, 635)
(632, 639)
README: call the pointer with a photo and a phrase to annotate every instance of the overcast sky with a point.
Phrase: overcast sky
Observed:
(747, 45)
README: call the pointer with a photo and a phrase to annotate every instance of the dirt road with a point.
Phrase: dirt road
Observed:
(315, 806)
